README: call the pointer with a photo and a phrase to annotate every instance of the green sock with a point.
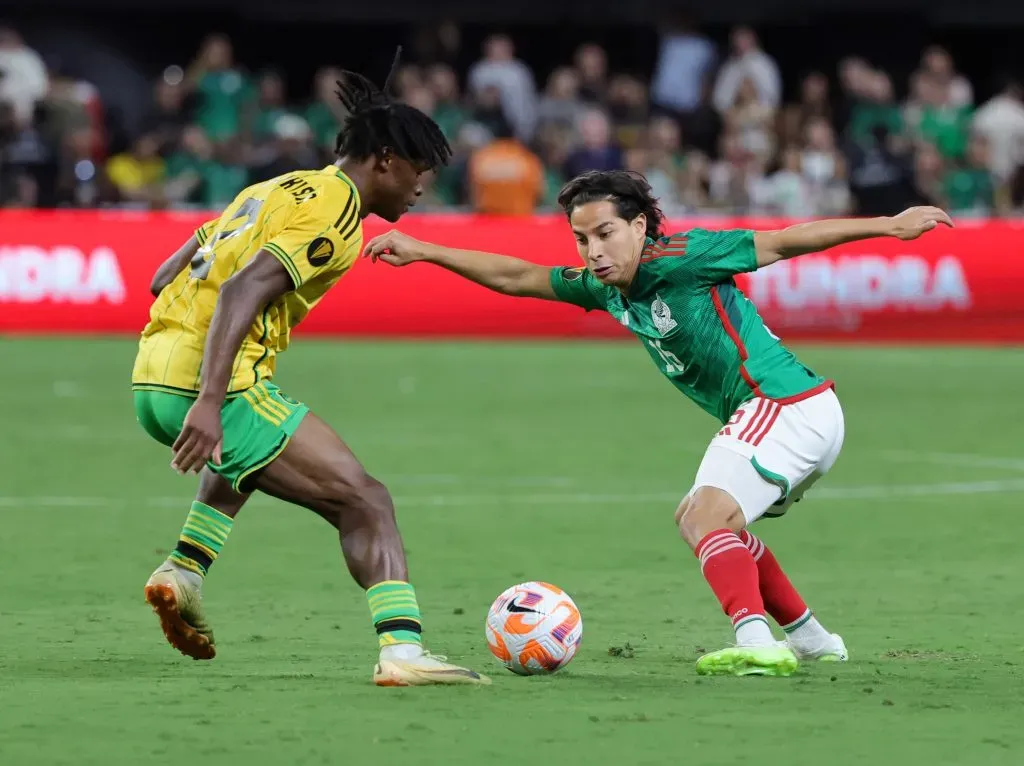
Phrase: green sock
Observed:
(395, 613)
(205, 531)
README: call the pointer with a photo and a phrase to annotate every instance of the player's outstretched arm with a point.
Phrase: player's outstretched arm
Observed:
(261, 282)
(501, 273)
(173, 266)
(816, 236)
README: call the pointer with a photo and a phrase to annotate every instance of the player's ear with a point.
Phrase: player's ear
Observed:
(639, 225)
(384, 160)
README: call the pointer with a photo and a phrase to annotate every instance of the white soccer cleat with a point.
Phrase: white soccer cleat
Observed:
(425, 670)
(833, 650)
(178, 603)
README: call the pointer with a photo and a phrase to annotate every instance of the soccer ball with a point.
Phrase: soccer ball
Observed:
(534, 628)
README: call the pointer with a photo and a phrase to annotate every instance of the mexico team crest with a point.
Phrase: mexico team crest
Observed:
(662, 316)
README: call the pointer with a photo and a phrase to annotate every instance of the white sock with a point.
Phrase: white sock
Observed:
(806, 633)
(754, 631)
(401, 652)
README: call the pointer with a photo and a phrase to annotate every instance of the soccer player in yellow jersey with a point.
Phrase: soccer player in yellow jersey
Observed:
(226, 303)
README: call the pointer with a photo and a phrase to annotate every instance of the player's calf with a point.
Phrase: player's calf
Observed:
(362, 511)
(708, 520)
(319, 472)
(805, 635)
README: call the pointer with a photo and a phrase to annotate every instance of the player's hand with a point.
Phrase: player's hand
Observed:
(915, 221)
(395, 248)
(200, 438)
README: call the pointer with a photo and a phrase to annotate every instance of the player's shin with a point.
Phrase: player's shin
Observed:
(729, 569)
(375, 556)
(782, 600)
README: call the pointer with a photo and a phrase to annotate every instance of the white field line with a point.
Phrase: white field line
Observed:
(964, 460)
(879, 492)
(83, 433)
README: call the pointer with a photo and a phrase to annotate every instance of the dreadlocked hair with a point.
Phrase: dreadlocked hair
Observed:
(628, 191)
(376, 124)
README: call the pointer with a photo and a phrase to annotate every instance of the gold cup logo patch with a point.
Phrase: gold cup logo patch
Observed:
(319, 251)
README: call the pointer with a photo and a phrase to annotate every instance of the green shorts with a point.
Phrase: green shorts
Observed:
(258, 423)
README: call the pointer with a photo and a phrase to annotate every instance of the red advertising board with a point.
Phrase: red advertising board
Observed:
(89, 272)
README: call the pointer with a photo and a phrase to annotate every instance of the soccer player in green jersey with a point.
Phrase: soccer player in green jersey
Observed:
(782, 424)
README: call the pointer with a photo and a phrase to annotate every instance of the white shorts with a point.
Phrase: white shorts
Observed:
(770, 454)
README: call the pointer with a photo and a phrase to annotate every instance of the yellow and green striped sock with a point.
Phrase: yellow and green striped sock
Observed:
(204, 534)
(395, 613)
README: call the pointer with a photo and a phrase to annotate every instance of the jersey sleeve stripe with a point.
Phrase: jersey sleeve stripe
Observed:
(286, 261)
(347, 229)
(346, 214)
(351, 227)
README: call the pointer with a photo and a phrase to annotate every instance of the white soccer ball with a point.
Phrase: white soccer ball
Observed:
(534, 628)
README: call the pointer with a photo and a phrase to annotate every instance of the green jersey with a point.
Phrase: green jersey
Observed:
(703, 333)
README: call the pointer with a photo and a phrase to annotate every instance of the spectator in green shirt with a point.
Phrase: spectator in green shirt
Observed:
(222, 89)
(968, 188)
(877, 108)
(554, 145)
(938, 120)
(325, 114)
(225, 176)
(202, 175)
(263, 112)
(448, 113)
(185, 166)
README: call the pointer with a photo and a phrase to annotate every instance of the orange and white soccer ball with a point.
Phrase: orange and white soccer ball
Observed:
(534, 628)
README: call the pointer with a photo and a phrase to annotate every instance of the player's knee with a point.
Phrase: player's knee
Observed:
(376, 499)
(357, 494)
(705, 511)
(681, 510)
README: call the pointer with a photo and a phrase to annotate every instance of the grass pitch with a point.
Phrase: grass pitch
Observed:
(512, 462)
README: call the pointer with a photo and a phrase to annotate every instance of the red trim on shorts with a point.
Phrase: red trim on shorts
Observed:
(768, 425)
(750, 423)
(818, 389)
(734, 336)
(762, 415)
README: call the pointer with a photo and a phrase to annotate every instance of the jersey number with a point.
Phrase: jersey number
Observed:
(672, 363)
(243, 219)
(734, 420)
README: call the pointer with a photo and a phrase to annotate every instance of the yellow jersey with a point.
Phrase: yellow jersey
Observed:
(309, 220)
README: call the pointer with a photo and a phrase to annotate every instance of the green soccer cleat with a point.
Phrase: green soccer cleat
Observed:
(178, 604)
(749, 661)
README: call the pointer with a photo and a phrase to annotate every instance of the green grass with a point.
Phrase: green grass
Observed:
(513, 462)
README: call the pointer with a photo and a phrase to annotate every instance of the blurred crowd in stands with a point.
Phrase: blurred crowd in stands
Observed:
(710, 130)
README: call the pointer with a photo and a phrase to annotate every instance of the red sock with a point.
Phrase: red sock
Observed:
(729, 568)
(780, 597)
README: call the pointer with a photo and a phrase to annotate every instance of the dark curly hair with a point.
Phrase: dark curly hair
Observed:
(629, 191)
(376, 123)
